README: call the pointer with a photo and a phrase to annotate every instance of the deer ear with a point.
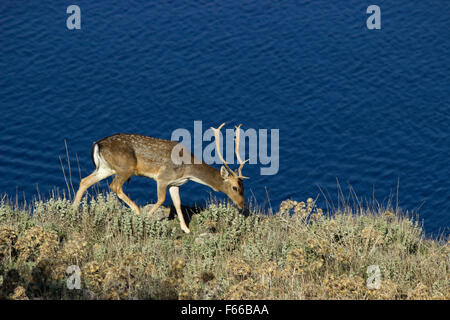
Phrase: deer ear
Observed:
(224, 172)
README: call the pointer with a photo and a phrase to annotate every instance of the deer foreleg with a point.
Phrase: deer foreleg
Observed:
(175, 194)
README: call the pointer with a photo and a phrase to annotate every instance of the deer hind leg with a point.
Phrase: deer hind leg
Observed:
(175, 195)
(162, 188)
(96, 176)
(116, 186)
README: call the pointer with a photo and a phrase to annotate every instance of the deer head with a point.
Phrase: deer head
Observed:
(232, 180)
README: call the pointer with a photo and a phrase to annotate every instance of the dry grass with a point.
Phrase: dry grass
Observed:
(297, 253)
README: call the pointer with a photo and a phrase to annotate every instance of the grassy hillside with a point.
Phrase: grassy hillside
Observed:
(297, 253)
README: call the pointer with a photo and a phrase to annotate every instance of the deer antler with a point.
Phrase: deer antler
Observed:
(236, 140)
(236, 143)
(217, 136)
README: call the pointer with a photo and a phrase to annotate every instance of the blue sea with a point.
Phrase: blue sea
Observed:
(362, 112)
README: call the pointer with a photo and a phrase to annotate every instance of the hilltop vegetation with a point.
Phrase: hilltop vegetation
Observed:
(297, 253)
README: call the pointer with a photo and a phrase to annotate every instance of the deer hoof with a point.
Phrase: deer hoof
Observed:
(186, 230)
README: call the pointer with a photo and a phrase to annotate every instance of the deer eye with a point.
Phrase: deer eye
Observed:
(235, 188)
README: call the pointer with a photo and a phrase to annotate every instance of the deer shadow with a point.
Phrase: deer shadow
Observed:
(170, 212)
(188, 212)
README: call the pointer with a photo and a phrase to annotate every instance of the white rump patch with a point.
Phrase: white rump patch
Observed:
(96, 156)
(102, 166)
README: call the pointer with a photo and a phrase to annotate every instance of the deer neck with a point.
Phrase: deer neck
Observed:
(207, 175)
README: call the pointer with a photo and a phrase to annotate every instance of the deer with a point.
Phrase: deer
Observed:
(125, 155)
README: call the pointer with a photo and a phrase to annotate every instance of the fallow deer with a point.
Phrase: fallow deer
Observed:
(125, 155)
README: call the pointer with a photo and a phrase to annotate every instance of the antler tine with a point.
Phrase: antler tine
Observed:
(238, 132)
(217, 136)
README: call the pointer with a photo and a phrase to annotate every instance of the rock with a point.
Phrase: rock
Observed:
(160, 214)
(205, 237)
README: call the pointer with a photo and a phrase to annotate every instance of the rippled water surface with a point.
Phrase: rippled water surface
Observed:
(367, 108)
